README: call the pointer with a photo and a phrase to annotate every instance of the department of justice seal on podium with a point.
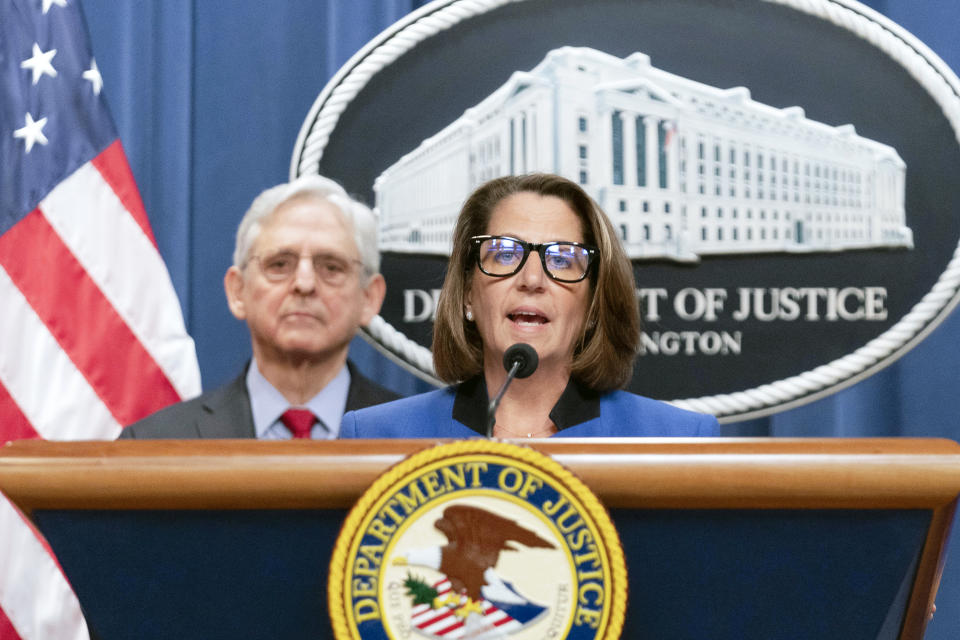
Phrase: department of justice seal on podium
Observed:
(478, 539)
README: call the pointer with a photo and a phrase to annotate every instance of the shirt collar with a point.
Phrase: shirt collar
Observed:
(577, 404)
(267, 404)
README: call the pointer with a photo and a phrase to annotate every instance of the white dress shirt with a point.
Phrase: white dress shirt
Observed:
(267, 405)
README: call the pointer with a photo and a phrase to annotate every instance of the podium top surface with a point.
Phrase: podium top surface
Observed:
(723, 473)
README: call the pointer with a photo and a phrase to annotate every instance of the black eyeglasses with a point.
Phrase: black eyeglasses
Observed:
(502, 256)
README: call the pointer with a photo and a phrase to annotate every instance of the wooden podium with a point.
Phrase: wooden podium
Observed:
(724, 538)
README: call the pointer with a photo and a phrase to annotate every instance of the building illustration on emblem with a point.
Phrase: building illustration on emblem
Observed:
(683, 169)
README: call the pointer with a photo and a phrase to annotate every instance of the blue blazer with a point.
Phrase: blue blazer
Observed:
(622, 414)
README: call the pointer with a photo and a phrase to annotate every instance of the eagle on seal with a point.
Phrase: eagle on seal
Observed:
(475, 538)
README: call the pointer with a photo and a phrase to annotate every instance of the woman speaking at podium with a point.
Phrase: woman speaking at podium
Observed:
(536, 274)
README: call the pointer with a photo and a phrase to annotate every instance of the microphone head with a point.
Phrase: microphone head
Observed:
(525, 355)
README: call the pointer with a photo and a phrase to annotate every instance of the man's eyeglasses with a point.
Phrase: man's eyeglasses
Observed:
(502, 256)
(281, 266)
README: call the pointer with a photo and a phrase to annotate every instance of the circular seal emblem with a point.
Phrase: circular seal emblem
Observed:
(478, 539)
(778, 172)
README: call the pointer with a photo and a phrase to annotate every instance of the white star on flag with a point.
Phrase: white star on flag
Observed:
(40, 63)
(49, 3)
(91, 332)
(31, 132)
(93, 75)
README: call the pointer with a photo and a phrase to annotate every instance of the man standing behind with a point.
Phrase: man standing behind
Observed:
(305, 276)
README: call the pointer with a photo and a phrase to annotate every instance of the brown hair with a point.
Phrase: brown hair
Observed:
(604, 354)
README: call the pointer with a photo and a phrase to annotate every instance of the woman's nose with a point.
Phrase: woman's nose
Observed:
(532, 274)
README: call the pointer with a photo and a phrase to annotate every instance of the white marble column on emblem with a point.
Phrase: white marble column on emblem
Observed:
(650, 124)
(629, 149)
(522, 134)
(601, 162)
(672, 161)
(532, 145)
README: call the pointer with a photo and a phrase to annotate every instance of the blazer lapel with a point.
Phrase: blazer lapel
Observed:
(364, 393)
(226, 414)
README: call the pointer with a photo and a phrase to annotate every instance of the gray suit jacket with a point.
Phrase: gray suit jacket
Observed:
(225, 411)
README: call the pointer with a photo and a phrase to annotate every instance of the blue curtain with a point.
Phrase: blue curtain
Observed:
(209, 98)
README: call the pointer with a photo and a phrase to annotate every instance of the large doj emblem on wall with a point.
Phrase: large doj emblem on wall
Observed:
(779, 171)
(478, 539)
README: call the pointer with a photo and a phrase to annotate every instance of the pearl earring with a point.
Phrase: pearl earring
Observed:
(469, 315)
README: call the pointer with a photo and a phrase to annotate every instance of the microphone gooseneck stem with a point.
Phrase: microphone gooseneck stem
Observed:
(492, 409)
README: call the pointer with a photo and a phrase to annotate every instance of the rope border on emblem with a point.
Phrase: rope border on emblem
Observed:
(591, 504)
(917, 59)
(942, 85)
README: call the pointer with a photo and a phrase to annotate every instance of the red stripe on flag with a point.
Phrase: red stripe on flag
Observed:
(83, 321)
(441, 615)
(13, 424)
(503, 621)
(113, 166)
(7, 632)
(449, 629)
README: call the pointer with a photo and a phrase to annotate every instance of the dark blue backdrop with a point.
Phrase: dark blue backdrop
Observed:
(209, 97)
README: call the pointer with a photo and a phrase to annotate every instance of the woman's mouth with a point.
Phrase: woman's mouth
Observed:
(527, 318)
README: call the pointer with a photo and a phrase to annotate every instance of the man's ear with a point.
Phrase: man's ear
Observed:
(373, 295)
(233, 286)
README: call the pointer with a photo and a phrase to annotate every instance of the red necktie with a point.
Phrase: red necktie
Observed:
(299, 421)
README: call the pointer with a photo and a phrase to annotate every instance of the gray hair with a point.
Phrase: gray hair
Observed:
(355, 213)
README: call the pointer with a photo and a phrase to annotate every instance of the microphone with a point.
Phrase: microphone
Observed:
(520, 361)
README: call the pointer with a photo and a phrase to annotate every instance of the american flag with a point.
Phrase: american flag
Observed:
(91, 333)
(444, 623)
